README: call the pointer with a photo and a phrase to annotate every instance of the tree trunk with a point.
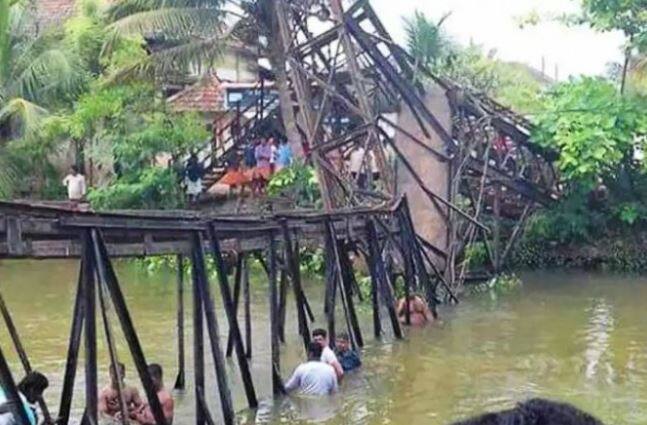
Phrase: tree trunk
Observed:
(277, 60)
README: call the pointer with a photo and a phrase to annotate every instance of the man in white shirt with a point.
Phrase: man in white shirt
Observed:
(320, 336)
(75, 183)
(313, 377)
(356, 166)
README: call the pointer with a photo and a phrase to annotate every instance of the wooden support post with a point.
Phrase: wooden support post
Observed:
(238, 279)
(338, 279)
(416, 259)
(73, 349)
(9, 386)
(180, 379)
(107, 275)
(293, 265)
(283, 292)
(277, 382)
(375, 300)
(112, 352)
(348, 278)
(230, 312)
(496, 228)
(382, 278)
(22, 354)
(330, 285)
(90, 333)
(248, 313)
(212, 329)
(198, 347)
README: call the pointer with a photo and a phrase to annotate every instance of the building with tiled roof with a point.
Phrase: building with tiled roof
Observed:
(207, 95)
(52, 12)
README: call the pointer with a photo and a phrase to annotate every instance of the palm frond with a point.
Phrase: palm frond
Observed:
(196, 55)
(173, 23)
(8, 175)
(26, 114)
(52, 70)
(124, 8)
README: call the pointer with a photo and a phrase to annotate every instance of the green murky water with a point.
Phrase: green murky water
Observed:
(576, 337)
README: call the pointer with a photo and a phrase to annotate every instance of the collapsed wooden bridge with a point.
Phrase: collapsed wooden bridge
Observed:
(375, 234)
(455, 168)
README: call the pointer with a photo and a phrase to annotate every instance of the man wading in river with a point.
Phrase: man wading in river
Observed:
(313, 377)
(320, 336)
(109, 396)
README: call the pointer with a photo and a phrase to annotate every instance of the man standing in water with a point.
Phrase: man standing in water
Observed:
(348, 358)
(144, 416)
(320, 336)
(313, 377)
(109, 396)
(419, 312)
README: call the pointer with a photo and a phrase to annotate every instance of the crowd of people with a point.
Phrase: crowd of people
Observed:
(33, 385)
(260, 160)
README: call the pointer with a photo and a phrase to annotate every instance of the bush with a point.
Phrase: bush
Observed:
(152, 188)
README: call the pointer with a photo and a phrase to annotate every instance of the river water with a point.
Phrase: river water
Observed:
(575, 337)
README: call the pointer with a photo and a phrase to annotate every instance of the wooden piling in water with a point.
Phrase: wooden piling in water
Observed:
(230, 312)
(107, 274)
(247, 313)
(238, 279)
(9, 386)
(208, 309)
(180, 380)
(198, 346)
(90, 333)
(293, 265)
(277, 382)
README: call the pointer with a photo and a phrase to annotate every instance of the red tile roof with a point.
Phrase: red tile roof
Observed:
(207, 95)
(52, 12)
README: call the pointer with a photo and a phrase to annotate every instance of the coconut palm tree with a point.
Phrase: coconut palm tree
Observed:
(426, 40)
(181, 35)
(34, 70)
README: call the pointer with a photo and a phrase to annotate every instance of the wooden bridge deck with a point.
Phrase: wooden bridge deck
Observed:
(29, 230)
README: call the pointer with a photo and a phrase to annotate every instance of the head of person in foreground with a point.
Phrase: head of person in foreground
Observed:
(536, 411)
(33, 385)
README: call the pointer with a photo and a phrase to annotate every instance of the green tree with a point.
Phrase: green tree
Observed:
(628, 16)
(183, 35)
(34, 70)
(594, 129)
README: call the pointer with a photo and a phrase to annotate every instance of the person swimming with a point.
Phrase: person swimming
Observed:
(419, 312)
(109, 396)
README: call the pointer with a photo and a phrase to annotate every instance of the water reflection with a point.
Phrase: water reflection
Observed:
(574, 337)
(597, 335)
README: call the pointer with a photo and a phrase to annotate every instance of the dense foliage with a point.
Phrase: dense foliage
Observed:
(74, 97)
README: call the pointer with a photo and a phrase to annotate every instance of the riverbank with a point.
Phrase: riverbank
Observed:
(624, 254)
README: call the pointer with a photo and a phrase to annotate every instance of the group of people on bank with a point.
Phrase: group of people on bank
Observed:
(33, 385)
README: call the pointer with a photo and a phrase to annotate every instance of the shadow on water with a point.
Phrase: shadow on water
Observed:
(576, 337)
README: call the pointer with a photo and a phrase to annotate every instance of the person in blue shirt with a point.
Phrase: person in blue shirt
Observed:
(348, 357)
(30, 389)
(284, 155)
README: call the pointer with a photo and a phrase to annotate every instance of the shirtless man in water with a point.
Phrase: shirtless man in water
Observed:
(144, 415)
(109, 396)
(419, 312)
